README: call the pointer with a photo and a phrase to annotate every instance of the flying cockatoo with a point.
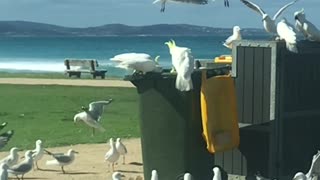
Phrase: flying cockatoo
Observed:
(139, 62)
(268, 23)
(235, 36)
(183, 63)
(163, 2)
(286, 33)
(309, 30)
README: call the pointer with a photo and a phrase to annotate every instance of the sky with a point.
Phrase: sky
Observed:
(89, 13)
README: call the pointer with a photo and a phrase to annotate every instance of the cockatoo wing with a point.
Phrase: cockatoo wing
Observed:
(253, 6)
(282, 9)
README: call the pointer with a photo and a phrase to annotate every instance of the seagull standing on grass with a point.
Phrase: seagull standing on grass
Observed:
(4, 171)
(37, 152)
(309, 30)
(12, 158)
(92, 116)
(5, 137)
(3, 125)
(268, 23)
(183, 63)
(286, 33)
(121, 148)
(235, 36)
(154, 175)
(62, 159)
(23, 167)
(112, 155)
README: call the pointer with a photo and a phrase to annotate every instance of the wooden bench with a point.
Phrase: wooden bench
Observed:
(74, 67)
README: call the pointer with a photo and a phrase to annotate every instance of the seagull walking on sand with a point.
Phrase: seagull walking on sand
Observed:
(121, 148)
(309, 30)
(3, 171)
(92, 116)
(183, 63)
(12, 158)
(62, 159)
(23, 167)
(112, 155)
(235, 36)
(37, 152)
(268, 23)
(285, 32)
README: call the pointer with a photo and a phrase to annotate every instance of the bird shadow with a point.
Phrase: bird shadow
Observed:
(30, 178)
(49, 170)
(125, 171)
(136, 163)
(79, 173)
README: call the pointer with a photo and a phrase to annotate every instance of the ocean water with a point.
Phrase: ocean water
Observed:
(41, 54)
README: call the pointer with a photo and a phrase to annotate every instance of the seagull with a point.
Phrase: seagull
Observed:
(154, 175)
(183, 63)
(4, 171)
(139, 62)
(286, 33)
(5, 137)
(112, 155)
(163, 2)
(216, 173)
(268, 23)
(314, 170)
(117, 176)
(187, 176)
(121, 148)
(309, 30)
(235, 36)
(3, 125)
(92, 116)
(62, 159)
(23, 167)
(37, 152)
(12, 158)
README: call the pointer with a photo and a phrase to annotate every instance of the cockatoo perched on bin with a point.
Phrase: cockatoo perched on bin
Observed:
(286, 33)
(183, 63)
(309, 30)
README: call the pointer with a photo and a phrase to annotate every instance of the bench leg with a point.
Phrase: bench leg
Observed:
(78, 75)
(103, 76)
(94, 76)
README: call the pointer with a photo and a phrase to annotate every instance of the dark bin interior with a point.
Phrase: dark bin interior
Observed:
(171, 129)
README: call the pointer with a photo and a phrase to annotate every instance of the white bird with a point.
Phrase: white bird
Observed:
(23, 167)
(300, 176)
(5, 137)
(268, 23)
(314, 171)
(121, 148)
(112, 155)
(116, 176)
(286, 33)
(62, 159)
(163, 2)
(235, 36)
(183, 63)
(4, 171)
(187, 176)
(37, 152)
(216, 173)
(92, 116)
(126, 56)
(154, 175)
(309, 30)
(12, 158)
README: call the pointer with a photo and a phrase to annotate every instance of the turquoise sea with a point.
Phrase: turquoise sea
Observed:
(41, 54)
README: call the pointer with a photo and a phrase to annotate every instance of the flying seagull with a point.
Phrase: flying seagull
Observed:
(163, 2)
(235, 36)
(62, 159)
(285, 32)
(309, 30)
(154, 175)
(92, 115)
(268, 23)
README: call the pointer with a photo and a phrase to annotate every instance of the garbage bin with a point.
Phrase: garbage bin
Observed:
(171, 129)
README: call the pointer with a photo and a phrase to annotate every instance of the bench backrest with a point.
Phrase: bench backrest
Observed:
(83, 63)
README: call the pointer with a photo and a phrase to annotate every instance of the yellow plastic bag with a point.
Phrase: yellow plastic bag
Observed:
(219, 113)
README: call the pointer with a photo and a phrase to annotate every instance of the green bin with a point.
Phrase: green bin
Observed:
(171, 128)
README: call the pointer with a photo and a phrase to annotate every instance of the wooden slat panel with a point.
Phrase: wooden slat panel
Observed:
(266, 84)
(239, 81)
(81, 62)
(218, 159)
(258, 85)
(237, 162)
(248, 85)
(227, 161)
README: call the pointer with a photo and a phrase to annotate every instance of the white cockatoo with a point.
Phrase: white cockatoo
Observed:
(285, 32)
(139, 62)
(216, 173)
(183, 63)
(235, 36)
(154, 175)
(309, 30)
(268, 23)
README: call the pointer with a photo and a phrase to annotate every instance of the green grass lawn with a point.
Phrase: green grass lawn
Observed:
(46, 112)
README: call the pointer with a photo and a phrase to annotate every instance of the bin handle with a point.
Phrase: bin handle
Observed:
(204, 75)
